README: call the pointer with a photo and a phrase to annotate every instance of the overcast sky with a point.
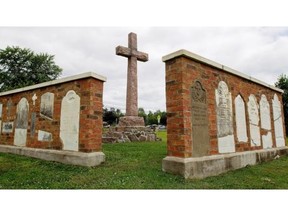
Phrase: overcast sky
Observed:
(259, 52)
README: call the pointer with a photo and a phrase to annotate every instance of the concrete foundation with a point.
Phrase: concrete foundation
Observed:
(66, 157)
(202, 167)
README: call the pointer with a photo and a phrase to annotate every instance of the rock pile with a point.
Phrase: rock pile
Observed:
(129, 134)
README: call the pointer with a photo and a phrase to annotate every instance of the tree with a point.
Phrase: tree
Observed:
(112, 116)
(282, 83)
(22, 67)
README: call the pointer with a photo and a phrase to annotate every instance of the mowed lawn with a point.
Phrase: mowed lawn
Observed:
(132, 166)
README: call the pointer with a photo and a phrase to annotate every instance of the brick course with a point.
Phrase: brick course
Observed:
(90, 91)
(181, 73)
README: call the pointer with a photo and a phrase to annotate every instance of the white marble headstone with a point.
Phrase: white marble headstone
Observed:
(69, 121)
(225, 133)
(240, 115)
(253, 114)
(265, 122)
(278, 122)
(20, 135)
(44, 136)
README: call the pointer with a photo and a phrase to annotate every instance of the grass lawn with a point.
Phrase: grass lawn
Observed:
(132, 166)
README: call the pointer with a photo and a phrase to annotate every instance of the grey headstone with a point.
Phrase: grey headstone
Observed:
(200, 130)
(265, 122)
(9, 106)
(1, 106)
(253, 113)
(240, 116)
(225, 133)
(278, 122)
(33, 125)
(47, 105)
(21, 126)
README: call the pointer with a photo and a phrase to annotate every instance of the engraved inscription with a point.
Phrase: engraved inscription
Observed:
(200, 132)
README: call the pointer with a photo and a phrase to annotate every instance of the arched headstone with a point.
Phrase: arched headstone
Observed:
(20, 136)
(69, 121)
(240, 115)
(278, 122)
(265, 122)
(225, 133)
(253, 114)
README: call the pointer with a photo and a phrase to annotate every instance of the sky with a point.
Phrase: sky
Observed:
(232, 33)
(260, 52)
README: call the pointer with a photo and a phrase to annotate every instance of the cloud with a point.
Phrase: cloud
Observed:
(259, 52)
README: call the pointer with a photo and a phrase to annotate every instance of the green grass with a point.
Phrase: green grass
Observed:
(132, 166)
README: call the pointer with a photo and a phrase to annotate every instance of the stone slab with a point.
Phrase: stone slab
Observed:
(206, 61)
(202, 167)
(66, 157)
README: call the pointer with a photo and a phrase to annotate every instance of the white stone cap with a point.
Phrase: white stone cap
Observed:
(196, 57)
(57, 81)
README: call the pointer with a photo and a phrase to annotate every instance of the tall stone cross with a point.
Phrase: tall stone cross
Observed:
(133, 55)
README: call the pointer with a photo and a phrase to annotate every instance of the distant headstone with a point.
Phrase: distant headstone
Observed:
(240, 115)
(265, 122)
(21, 125)
(253, 114)
(278, 122)
(47, 105)
(69, 121)
(225, 132)
(200, 131)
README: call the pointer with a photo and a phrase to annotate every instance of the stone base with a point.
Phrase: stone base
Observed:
(131, 121)
(202, 167)
(129, 134)
(66, 157)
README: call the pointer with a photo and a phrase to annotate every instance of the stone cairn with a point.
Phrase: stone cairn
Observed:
(131, 127)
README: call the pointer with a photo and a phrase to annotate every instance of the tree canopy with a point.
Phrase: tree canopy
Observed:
(20, 67)
(282, 83)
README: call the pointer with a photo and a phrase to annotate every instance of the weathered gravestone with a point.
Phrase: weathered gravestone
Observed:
(205, 136)
(69, 123)
(21, 126)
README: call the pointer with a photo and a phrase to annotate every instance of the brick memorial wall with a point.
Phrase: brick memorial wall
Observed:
(60, 120)
(218, 119)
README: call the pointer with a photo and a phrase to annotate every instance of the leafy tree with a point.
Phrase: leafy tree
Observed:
(141, 113)
(282, 83)
(22, 67)
(112, 116)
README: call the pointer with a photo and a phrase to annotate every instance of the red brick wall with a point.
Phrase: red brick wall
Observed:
(90, 91)
(181, 73)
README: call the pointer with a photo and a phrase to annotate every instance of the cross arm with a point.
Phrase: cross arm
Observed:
(123, 51)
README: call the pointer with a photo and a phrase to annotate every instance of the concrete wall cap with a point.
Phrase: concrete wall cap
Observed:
(201, 59)
(57, 81)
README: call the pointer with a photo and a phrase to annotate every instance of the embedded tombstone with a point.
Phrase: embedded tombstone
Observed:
(240, 115)
(21, 126)
(225, 133)
(9, 106)
(200, 132)
(265, 122)
(69, 121)
(254, 121)
(1, 106)
(47, 105)
(7, 127)
(44, 136)
(33, 124)
(278, 122)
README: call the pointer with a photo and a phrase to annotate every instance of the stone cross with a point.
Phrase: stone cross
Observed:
(133, 55)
